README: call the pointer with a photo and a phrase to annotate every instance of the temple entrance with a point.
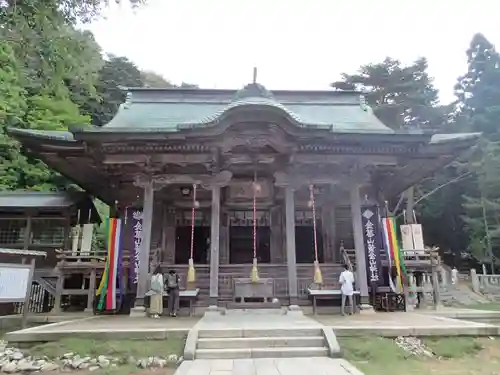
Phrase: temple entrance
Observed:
(241, 245)
(304, 244)
(304, 238)
(201, 245)
(241, 237)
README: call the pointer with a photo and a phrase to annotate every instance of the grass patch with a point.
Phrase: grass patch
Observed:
(378, 356)
(14, 324)
(453, 347)
(112, 348)
(459, 356)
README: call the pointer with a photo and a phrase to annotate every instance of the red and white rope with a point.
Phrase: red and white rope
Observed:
(255, 216)
(313, 204)
(193, 217)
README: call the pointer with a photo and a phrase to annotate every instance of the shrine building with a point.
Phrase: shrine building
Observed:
(303, 163)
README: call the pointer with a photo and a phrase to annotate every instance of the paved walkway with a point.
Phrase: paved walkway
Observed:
(268, 366)
(255, 319)
(384, 324)
(404, 324)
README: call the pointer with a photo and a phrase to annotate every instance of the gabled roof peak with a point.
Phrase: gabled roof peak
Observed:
(253, 90)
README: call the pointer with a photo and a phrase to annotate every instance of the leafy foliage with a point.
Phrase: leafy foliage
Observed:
(402, 96)
(478, 109)
(116, 72)
(41, 62)
(71, 10)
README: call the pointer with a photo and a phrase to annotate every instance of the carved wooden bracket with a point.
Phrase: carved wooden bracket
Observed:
(272, 136)
(220, 179)
(299, 178)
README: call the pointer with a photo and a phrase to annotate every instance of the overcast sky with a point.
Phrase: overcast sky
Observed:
(295, 44)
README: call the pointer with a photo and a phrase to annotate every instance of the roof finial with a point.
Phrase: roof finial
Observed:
(254, 74)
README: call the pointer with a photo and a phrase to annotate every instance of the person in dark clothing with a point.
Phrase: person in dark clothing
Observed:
(173, 281)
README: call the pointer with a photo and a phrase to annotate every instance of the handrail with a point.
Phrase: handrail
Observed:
(345, 257)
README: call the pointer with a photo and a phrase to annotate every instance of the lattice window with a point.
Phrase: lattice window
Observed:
(245, 218)
(47, 231)
(183, 219)
(304, 218)
(12, 231)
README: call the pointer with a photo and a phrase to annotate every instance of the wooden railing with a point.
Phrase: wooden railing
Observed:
(345, 257)
(411, 257)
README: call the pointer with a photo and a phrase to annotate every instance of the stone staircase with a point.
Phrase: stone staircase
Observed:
(261, 343)
(461, 295)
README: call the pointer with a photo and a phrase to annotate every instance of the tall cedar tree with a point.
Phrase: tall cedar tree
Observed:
(404, 97)
(401, 96)
(478, 110)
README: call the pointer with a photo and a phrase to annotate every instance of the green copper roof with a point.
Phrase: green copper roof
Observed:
(21, 200)
(53, 135)
(172, 110)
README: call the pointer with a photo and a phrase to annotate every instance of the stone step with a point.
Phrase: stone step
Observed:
(253, 305)
(240, 353)
(260, 342)
(277, 332)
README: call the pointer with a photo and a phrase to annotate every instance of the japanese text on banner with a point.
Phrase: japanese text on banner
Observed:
(371, 237)
(137, 225)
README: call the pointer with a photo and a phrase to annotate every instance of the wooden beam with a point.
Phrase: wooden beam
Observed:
(219, 179)
(167, 158)
(362, 160)
(125, 159)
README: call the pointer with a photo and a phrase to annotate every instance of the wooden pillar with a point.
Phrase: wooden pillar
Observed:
(27, 233)
(144, 256)
(214, 245)
(224, 239)
(170, 227)
(357, 225)
(59, 290)
(410, 204)
(332, 230)
(276, 236)
(290, 244)
(163, 244)
(90, 296)
(328, 230)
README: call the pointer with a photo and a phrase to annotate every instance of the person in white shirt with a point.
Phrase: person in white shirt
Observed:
(347, 288)
(454, 275)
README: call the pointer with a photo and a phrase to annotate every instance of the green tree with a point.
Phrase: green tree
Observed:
(116, 73)
(478, 109)
(154, 80)
(71, 10)
(12, 111)
(401, 96)
(42, 64)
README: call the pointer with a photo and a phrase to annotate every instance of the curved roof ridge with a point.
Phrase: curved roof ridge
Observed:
(253, 101)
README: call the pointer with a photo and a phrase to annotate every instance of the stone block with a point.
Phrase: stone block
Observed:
(331, 342)
(138, 312)
(223, 353)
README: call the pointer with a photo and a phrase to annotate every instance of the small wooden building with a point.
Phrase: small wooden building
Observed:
(33, 222)
(163, 142)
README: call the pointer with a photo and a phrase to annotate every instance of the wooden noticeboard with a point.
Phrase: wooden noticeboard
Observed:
(15, 285)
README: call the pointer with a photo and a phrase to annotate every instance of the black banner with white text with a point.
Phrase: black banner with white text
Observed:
(373, 243)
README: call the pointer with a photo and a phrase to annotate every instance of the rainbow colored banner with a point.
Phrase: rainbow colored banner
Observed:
(394, 253)
(112, 273)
